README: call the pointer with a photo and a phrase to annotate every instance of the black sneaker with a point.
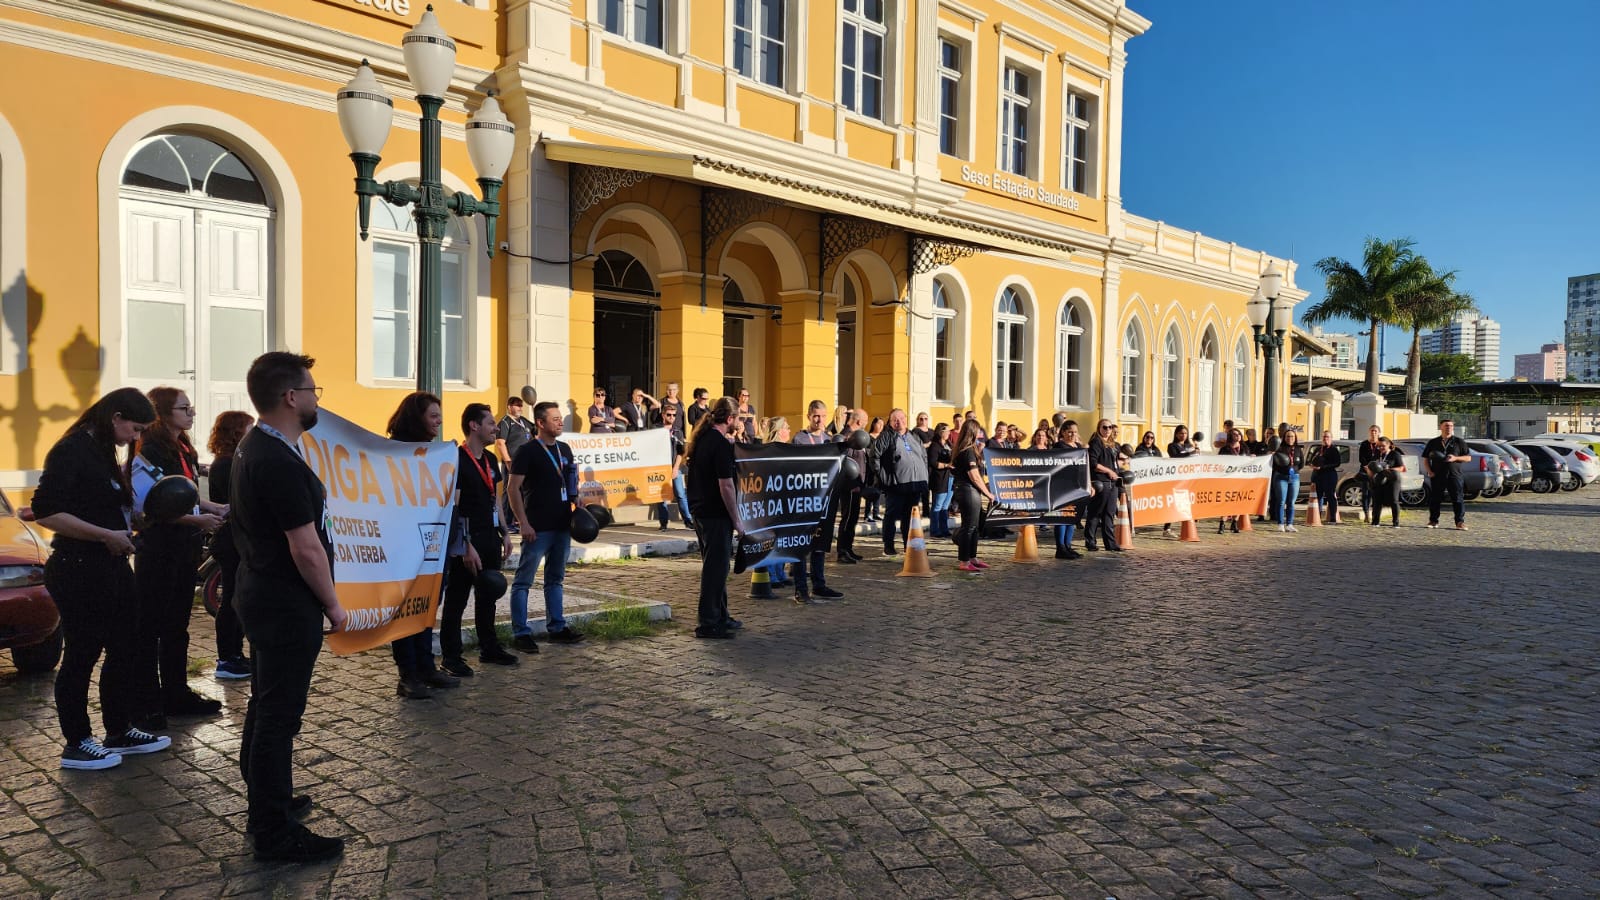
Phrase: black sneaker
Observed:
(135, 741)
(846, 560)
(192, 704)
(525, 643)
(232, 669)
(1061, 553)
(1073, 554)
(733, 624)
(498, 657)
(714, 634)
(412, 689)
(299, 806)
(89, 754)
(826, 593)
(434, 678)
(456, 667)
(302, 846)
(565, 636)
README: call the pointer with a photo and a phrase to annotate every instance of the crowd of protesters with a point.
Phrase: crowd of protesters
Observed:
(124, 582)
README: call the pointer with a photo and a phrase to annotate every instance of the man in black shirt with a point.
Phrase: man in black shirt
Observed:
(485, 545)
(712, 503)
(1441, 462)
(280, 527)
(544, 492)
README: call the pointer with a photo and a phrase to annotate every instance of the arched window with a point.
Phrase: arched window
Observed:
(1069, 355)
(1132, 371)
(396, 273)
(619, 272)
(186, 164)
(1240, 394)
(1171, 370)
(944, 338)
(1010, 347)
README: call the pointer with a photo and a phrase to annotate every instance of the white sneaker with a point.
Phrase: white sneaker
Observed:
(89, 754)
(1292, 528)
(1283, 528)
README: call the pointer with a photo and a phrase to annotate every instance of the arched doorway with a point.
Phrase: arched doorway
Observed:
(197, 261)
(625, 306)
(846, 368)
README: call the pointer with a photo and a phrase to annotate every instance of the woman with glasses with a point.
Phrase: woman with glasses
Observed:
(1104, 477)
(1234, 447)
(1147, 446)
(417, 420)
(166, 564)
(602, 418)
(1326, 458)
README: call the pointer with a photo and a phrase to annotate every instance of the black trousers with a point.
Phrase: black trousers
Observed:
(284, 624)
(164, 572)
(970, 502)
(458, 583)
(1386, 496)
(1437, 485)
(716, 554)
(95, 595)
(849, 517)
(899, 499)
(230, 634)
(1101, 524)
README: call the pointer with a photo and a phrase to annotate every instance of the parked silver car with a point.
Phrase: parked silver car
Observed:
(1511, 466)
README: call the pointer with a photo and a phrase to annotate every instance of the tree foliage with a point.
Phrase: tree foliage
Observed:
(1445, 368)
(1370, 292)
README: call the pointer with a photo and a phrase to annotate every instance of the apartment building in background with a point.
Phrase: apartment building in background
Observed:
(1583, 328)
(1470, 334)
(1549, 364)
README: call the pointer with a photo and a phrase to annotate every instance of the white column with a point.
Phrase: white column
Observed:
(1110, 340)
(1113, 124)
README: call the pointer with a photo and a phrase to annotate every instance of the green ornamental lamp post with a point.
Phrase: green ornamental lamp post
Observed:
(365, 113)
(1269, 319)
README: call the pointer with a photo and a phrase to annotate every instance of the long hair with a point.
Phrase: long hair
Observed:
(1040, 439)
(160, 434)
(970, 432)
(99, 421)
(773, 426)
(407, 423)
(841, 419)
(720, 413)
(228, 431)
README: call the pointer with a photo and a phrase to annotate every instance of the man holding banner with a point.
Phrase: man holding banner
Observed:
(816, 434)
(713, 505)
(1107, 479)
(281, 528)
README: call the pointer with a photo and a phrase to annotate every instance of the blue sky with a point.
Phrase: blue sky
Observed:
(1302, 127)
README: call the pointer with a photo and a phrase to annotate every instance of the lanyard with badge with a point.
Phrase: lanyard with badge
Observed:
(561, 474)
(327, 515)
(487, 474)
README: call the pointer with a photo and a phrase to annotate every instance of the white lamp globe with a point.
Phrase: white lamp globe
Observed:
(430, 56)
(490, 139)
(365, 112)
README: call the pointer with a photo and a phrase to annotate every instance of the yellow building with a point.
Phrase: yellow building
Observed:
(875, 202)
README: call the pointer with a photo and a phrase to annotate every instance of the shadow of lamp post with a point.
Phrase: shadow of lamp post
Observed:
(365, 112)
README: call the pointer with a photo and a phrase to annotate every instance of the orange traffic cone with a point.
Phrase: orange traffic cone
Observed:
(1189, 532)
(916, 564)
(1313, 512)
(1027, 546)
(1244, 523)
(1124, 530)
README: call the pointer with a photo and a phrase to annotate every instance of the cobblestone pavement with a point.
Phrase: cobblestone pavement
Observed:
(1344, 711)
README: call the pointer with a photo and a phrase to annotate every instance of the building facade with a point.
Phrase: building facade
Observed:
(1343, 346)
(1469, 334)
(1583, 328)
(1549, 364)
(880, 203)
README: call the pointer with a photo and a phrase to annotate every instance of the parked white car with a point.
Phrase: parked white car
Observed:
(1579, 457)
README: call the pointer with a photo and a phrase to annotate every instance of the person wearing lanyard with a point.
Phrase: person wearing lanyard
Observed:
(903, 467)
(544, 492)
(486, 545)
(514, 432)
(816, 433)
(165, 565)
(281, 527)
(417, 420)
(1104, 477)
(84, 498)
(670, 421)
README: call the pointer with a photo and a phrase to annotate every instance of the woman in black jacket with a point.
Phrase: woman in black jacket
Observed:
(1326, 458)
(85, 499)
(1147, 446)
(1286, 463)
(226, 433)
(940, 481)
(874, 483)
(1385, 470)
(1235, 446)
(166, 564)
(1181, 447)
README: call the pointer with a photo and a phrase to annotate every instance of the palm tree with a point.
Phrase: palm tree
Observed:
(1430, 303)
(1368, 294)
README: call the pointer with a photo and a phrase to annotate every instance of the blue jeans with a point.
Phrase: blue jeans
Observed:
(1064, 535)
(1285, 488)
(681, 493)
(551, 547)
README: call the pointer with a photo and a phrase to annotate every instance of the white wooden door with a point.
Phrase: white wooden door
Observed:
(231, 311)
(158, 279)
(1207, 394)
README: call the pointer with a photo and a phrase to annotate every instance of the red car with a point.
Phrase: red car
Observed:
(29, 625)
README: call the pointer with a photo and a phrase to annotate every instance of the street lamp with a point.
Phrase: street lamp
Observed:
(365, 112)
(1268, 312)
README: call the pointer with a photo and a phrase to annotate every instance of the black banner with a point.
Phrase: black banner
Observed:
(1034, 486)
(783, 492)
